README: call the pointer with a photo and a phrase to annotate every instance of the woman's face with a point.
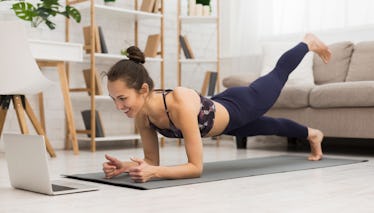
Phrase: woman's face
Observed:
(128, 100)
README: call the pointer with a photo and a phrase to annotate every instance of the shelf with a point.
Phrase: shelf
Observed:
(103, 98)
(117, 57)
(97, 60)
(211, 23)
(112, 138)
(108, 10)
(56, 51)
(197, 61)
(198, 19)
(116, 138)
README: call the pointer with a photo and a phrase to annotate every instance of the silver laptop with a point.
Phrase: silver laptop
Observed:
(28, 166)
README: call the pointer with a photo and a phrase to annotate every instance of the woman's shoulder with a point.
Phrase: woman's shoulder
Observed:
(184, 97)
(182, 93)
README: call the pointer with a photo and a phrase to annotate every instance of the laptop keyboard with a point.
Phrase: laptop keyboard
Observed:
(57, 188)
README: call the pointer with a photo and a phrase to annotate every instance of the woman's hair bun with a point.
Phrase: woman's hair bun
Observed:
(135, 54)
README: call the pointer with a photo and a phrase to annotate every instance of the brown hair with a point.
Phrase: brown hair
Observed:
(131, 71)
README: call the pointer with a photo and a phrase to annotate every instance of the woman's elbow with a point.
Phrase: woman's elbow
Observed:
(198, 172)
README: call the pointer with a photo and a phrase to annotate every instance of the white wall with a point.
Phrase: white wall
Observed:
(118, 34)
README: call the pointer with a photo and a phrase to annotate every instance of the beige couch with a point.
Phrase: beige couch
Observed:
(340, 103)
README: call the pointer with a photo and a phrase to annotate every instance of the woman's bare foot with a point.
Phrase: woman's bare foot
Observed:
(315, 138)
(317, 46)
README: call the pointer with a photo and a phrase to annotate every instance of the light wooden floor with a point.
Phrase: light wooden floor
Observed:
(337, 189)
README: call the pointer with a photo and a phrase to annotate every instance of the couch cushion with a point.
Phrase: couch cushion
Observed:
(239, 80)
(294, 96)
(361, 67)
(272, 51)
(347, 94)
(336, 70)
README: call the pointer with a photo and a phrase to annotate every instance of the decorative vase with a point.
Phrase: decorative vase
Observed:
(35, 32)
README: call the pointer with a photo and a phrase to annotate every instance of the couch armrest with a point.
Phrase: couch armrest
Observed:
(239, 80)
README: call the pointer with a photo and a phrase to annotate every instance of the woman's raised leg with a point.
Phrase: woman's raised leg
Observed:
(266, 89)
(252, 102)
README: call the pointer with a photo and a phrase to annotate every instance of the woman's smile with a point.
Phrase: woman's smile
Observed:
(126, 110)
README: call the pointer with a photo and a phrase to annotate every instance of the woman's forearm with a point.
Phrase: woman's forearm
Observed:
(188, 170)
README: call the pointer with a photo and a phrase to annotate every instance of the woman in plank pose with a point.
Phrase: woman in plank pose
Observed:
(183, 113)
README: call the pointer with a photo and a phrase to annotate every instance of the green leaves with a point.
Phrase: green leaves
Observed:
(124, 52)
(203, 2)
(50, 4)
(43, 11)
(74, 13)
(24, 10)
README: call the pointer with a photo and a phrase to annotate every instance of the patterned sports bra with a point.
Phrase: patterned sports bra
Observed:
(205, 118)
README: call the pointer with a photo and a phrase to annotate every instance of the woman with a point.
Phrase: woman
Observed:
(183, 113)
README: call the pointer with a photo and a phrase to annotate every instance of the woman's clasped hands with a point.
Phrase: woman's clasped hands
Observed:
(138, 169)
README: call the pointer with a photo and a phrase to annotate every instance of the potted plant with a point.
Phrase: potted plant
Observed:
(203, 2)
(43, 12)
(109, 2)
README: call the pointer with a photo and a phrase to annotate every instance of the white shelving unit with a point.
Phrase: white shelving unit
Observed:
(112, 138)
(93, 58)
(115, 138)
(129, 14)
(197, 61)
(213, 19)
(198, 20)
(107, 57)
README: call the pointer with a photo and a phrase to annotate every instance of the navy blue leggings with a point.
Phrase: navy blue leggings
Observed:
(247, 105)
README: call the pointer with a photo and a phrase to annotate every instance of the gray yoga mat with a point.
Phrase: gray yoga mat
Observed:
(221, 170)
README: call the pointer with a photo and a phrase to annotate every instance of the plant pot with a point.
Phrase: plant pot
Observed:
(35, 32)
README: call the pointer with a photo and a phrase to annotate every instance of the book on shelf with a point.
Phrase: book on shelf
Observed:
(186, 47)
(152, 45)
(87, 79)
(104, 48)
(157, 6)
(209, 83)
(87, 39)
(206, 10)
(147, 6)
(86, 115)
(191, 7)
(198, 10)
(212, 83)
(205, 83)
